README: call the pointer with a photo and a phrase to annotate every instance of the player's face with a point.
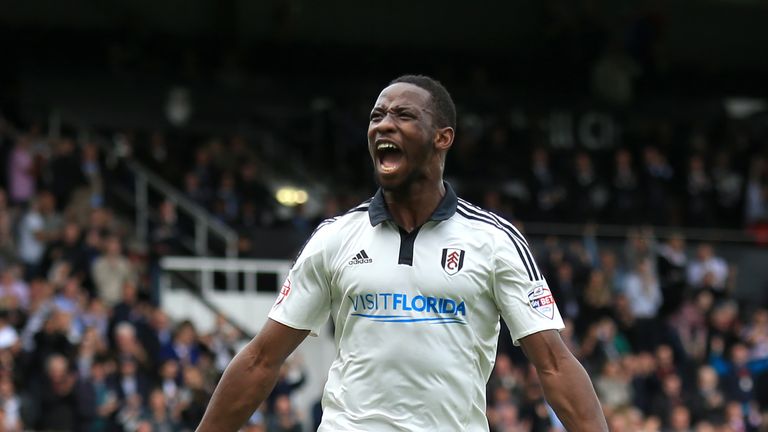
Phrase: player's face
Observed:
(400, 136)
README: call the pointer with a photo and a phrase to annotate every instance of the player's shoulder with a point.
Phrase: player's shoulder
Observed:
(488, 222)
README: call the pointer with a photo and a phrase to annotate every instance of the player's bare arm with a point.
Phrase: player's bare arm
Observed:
(250, 377)
(566, 384)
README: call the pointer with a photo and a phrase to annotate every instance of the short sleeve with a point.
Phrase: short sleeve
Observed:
(522, 295)
(304, 301)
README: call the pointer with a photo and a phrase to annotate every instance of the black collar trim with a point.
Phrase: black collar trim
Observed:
(378, 212)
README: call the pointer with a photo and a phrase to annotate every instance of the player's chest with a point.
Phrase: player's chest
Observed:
(433, 262)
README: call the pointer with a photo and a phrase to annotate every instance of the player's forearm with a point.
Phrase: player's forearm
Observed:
(245, 384)
(570, 393)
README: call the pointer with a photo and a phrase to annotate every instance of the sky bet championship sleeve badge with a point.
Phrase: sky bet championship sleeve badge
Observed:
(541, 301)
(453, 260)
(284, 291)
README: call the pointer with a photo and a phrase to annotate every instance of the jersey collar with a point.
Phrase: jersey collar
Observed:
(378, 212)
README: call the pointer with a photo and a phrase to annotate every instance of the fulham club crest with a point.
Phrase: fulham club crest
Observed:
(453, 260)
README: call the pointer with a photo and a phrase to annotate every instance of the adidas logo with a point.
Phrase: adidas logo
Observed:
(360, 258)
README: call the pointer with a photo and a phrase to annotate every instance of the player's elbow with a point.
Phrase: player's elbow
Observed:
(262, 361)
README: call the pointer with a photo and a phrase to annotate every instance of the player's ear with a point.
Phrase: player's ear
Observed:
(444, 138)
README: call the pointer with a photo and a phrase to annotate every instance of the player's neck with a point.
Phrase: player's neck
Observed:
(412, 207)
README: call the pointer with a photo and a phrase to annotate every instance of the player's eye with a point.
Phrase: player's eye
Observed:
(376, 116)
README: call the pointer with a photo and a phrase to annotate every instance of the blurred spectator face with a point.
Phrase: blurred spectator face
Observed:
(540, 157)
(624, 159)
(157, 400)
(618, 423)
(112, 246)
(608, 260)
(71, 233)
(696, 164)
(704, 427)
(202, 157)
(739, 354)
(46, 202)
(677, 242)
(191, 182)
(734, 412)
(503, 365)
(160, 320)
(193, 379)
(652, 424)
(665, 356)
(167, 212)
(71, 288)
(130, 292)
(680, 418)
(283, 406)
(127, 367)
(672, 385)
(7, 389)
(704, 301)
(705, 252)
(169, 370)
(186, 334)
(583, 163)
(707, 379)
(565, 272)
(227, 182)
(611, 369)
(98, 371)
(125, 337)
(56, 367)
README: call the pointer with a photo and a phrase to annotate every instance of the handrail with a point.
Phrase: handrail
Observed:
(146, 179)
(207, 266)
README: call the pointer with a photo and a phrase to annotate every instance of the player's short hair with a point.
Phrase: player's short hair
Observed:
(442, 103)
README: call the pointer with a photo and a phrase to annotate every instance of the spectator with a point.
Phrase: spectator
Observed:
(588, 194)
(22, 180)
(10, 403)
(284, 418)
(130, 383)
(729, 190)
(127, 345)
(111, 271)
(708, 271)
(97, 401)
(161, 418)
(183, 347)
(38, 226)
(626, 192)
(700, 199)
(14, 292)
(708, 401)
(548, 192)
(671, 262)
(613, 386)
(57, 405)
(69, 250)
(659, 176)
(65, 171)
(642, 290)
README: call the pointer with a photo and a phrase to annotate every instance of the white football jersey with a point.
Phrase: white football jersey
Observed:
(416, 314)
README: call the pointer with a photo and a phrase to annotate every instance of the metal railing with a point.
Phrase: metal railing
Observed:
(204, 224)
(206, 268)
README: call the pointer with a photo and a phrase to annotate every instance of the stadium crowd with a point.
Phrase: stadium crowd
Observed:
(84, 346)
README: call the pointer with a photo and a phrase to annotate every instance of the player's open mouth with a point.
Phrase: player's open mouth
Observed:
(389, 156)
